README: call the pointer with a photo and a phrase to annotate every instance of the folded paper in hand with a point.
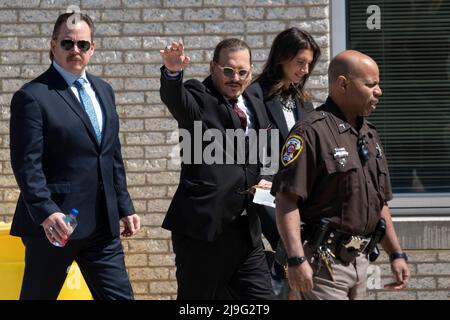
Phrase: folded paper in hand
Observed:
(263, 196)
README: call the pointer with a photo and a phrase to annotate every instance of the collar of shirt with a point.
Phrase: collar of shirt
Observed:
(69, 77)
(341, 122)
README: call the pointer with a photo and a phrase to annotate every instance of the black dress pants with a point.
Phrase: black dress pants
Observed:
(99, 256)
(228, 268)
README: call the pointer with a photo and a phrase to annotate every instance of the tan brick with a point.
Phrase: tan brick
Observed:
(318, 12)
(138, 111)
(15, 30)
(7, 208)
(171, 191)
(11, 195)
(31, 71)
(135, 179)
(443, 283)
(7, 180)
(163, 287)
(158, 151)
(9, 71)
(386, 269)
(148, 246)
(146, 138)
(136, 260)
(153, 219)
(433, 295)
(421, 256)
(396, 295)
(149, 273)
(147, 192)
(158, 205)
(158, 233)
(421, 283)
(161, 260)
(130, 125)
(161, 124)
(163, 178)
(433, 268)
(140, 205)
(145, 165)
(444, 256)
(140, 287)
(132, 152)
(14, 57)
(8, 15)
(129, 97)
(4, 127)
(141, 84)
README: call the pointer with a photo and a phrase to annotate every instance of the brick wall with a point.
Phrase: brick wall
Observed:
(430, 277)
(129, 35)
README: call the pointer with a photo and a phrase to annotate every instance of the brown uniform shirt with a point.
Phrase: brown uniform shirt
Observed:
(320, 163)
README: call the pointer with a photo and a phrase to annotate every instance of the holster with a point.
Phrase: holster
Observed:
(345, 246)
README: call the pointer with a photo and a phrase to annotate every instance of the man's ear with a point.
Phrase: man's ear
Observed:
(211, 67)
(52, 46)
(342, 83)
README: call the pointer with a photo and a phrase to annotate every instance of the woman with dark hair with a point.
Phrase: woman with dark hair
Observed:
(281, 86)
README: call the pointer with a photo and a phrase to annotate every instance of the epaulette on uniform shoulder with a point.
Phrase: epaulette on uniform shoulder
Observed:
(315, 116)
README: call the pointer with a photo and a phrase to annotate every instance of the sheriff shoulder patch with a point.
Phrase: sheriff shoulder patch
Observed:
(292, 149)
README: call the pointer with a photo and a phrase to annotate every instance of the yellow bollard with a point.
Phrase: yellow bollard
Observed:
(12, 265)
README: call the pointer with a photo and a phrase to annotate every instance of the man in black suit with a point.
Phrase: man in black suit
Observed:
(65, 153)
(216, 233)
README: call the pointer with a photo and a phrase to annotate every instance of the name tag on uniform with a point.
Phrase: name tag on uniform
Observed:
(340, 155)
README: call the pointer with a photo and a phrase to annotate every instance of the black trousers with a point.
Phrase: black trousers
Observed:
(228, 268)
(269, 225)
(100, 258)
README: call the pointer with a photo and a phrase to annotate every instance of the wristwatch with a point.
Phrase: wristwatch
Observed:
(295, 261)
(398, 255)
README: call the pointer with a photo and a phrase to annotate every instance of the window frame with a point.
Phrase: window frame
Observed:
(410, 204)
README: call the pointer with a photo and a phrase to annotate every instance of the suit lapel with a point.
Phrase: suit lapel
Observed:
(276, 111)
(223, 103)
(57, 82)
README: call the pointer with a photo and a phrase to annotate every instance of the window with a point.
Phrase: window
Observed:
(410, 40)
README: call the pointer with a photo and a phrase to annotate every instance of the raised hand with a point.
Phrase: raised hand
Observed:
(173, 56)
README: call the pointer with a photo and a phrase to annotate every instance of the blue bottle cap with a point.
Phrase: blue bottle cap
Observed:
(74, 212)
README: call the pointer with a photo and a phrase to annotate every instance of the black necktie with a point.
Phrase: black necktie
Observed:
(240, 113)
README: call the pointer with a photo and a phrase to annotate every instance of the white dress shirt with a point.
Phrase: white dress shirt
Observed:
(70, 79)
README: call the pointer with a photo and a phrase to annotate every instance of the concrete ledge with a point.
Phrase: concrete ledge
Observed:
(416, 233)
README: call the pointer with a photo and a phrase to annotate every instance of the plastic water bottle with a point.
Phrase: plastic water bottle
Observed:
(71, 221)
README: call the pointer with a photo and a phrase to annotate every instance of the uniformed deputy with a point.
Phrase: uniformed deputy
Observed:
(334, 175)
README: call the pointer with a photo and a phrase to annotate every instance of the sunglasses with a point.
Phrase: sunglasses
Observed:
(83, 45)
(363, 149)
(230, 72)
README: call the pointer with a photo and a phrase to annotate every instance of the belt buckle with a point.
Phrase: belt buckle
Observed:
(357, 243)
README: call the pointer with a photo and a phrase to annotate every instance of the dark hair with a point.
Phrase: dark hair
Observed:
(231, 44)
(285, 47)
(63, 18)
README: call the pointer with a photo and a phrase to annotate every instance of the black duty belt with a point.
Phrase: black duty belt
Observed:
(346, 247)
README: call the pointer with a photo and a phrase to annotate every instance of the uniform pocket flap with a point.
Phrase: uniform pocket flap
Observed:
(340, 166)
